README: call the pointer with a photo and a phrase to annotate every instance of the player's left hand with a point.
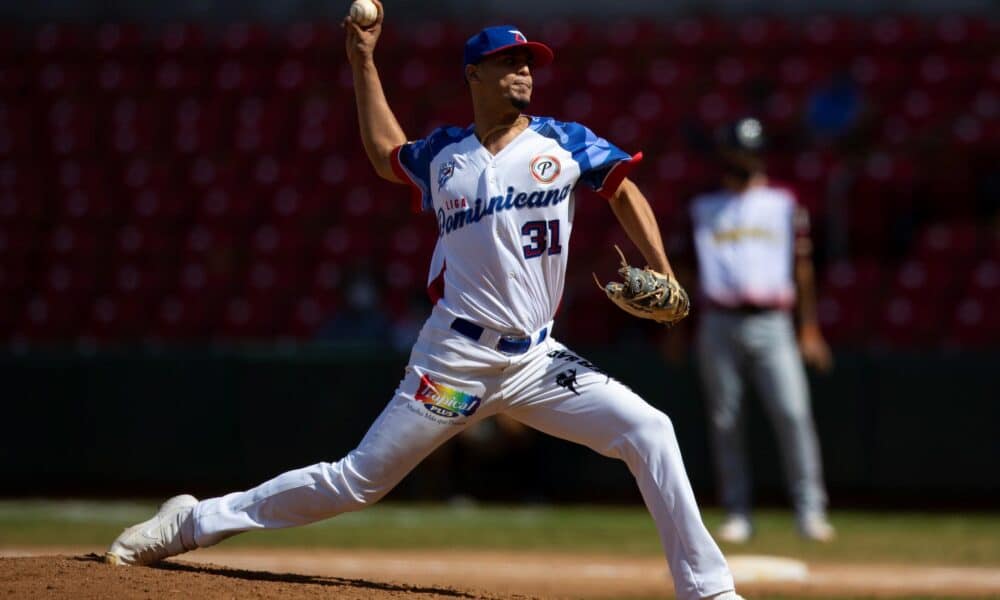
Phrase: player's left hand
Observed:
(815, 352)
(647, 294)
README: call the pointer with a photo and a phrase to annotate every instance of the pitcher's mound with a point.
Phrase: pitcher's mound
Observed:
(88, 578)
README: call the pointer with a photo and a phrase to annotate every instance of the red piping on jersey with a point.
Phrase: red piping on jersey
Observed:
(416, 194)
(436, 288)
(617, 174)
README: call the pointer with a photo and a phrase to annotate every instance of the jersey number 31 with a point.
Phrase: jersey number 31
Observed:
(543, 236)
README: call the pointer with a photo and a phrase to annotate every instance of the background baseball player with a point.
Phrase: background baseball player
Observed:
(502, 192)
(755, 266)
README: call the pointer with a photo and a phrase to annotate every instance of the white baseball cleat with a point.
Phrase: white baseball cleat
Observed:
(158, 538)
(817, 528)
(736, 529)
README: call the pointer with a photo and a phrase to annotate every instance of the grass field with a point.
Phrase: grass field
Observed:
(864, 537)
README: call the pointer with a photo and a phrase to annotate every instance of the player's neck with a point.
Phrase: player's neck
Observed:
(496, 130)
(740, 186)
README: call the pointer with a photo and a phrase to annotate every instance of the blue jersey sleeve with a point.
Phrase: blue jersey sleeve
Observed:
(603, 165)
(411, 162)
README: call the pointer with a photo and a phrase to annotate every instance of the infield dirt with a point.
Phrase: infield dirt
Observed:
(414, 575)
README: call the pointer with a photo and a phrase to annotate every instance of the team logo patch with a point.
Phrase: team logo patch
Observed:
(518, 36)
(545, 168)
(445, 172)
(445, 401)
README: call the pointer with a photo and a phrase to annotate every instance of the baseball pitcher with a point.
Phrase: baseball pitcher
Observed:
(502, 190)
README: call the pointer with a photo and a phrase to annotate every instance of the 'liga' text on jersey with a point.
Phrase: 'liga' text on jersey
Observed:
(513, 200)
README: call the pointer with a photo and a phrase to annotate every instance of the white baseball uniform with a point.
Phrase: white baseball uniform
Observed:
(497, 275)
(746, 244)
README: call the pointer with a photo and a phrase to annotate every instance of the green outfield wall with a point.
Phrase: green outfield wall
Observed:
(909, 430)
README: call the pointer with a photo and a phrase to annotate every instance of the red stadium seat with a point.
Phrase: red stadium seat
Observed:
(14, 79)
(116, 78)
(716, 109)
(71, 128)
(894, 33)
(219, 206)
(245, 39)
(49, 318)
(326, 282)
(949, 241)
(984, 280)
(181, 319)
(18, 210)
(259, 126)
(203, 242)
(182, 39)
(248, 319)
(240, 77)
(827, 35)
(975, 323)
(139, 281)
(308, 315)
(964, 33)
(843, 319)
(697, 36)
(17, 244)
(906, 323)
(172, 76)
(292, 206)
(11, 310)
(274, 278)
(270, 242)
(879, 74)
(120, 40)
(55, 79)
(78, 279)
(14, 278)
(310, 40)
(113, 319)
(801, 73)
(197, 126)
(670, 74)
(762, 34)
(146, 245)
(929, 281)
(60, 40)
(850, 278)
(16, 139)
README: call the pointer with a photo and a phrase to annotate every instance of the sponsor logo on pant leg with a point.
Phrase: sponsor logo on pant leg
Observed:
(445, 401)
(567, 379)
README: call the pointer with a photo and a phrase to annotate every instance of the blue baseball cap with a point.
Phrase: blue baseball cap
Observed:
(504, 37)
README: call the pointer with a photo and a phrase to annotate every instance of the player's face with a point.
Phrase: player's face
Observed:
(508, 75)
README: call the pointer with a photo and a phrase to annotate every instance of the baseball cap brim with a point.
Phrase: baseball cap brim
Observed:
(543, 54)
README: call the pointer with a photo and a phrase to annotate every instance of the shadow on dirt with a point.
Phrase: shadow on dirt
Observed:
(331, 582)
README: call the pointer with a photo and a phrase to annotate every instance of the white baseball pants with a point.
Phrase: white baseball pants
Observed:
(452, 382)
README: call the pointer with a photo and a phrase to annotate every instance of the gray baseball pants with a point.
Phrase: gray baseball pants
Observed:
(759, 349)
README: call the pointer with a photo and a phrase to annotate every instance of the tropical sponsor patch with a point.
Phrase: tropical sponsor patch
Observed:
(445, 401)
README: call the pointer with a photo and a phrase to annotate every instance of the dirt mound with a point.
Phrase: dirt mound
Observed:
(58, 573)
(87, 577)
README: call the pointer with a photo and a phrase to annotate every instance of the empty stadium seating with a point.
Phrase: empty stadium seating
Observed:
(184, 183)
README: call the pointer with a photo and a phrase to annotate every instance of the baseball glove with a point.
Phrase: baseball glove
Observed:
(647, 294)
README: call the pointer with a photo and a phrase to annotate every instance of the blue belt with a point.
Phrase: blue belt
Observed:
(508, 344)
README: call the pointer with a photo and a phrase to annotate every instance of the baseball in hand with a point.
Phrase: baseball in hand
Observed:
(364, 12)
